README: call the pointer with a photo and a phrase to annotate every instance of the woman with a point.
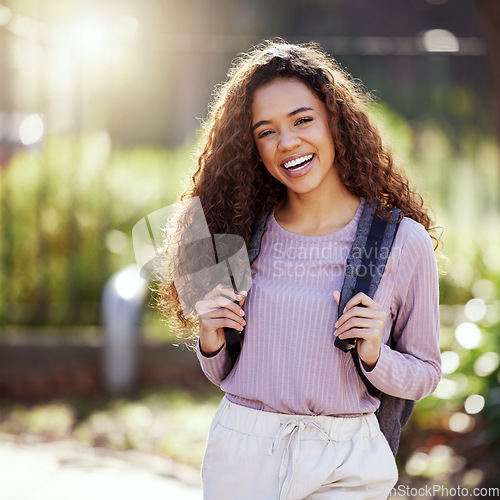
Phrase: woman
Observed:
(290, 132)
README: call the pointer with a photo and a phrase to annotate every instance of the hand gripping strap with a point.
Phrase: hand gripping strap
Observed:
(365, 267)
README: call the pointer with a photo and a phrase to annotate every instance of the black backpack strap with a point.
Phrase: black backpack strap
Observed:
(256, 238)
(365, 267)
(235, 337)
(233, 342)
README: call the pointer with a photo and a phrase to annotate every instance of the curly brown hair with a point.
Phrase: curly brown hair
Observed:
(235, 188)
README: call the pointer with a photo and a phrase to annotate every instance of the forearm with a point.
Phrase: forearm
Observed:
(413, 369)
(404, 375)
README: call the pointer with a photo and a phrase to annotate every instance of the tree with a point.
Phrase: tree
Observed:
(489, 16)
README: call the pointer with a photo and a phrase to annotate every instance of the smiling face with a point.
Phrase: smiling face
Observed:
(293, 137)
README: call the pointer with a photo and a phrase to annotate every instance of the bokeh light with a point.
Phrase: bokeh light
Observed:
(492, 316)
(116, 241)
(31, 130)
(128, 284)
(473, 478)
(446, 389)
(487, 363)
(468, 335)
(483, 289)
(474, 404)
(461, 422)
(475, 309)
(439, 40)
(450, 362)
(417, 463)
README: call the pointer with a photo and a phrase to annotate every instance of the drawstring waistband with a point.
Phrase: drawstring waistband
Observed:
(288, 430)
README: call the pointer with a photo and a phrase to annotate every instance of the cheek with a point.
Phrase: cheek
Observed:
(269, 165)
(271, 171)
(264, 152)
(326, 139)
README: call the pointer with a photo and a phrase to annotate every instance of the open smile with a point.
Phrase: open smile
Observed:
(297, 167)
(298, 164)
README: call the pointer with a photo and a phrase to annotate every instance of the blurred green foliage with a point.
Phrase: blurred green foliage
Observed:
(67, 213)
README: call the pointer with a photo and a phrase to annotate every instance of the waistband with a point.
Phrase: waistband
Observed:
(267, 424)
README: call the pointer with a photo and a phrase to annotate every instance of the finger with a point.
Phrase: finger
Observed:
(368, 334)
(361, 312)
(360, 298)
(357, 322)
(221, 302)
(213, 324)
(223, 313)
(205, 305)
(336, 296)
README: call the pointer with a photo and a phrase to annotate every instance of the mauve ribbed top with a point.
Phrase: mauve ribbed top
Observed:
(288, 362)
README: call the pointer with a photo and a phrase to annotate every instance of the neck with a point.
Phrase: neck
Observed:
(311, 214)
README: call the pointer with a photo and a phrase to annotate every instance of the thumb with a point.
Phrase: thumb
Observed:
(244, 296)
(336, 296)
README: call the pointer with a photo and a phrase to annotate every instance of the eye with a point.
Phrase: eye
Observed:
(303, 120)
(264, 133)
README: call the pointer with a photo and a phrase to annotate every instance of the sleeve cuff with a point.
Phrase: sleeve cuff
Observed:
(217, 366)
(379, 374)
(397, 374)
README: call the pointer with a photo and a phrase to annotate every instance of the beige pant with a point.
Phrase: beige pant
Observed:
(258, 455)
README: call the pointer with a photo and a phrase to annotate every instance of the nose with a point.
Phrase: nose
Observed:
(288, 140)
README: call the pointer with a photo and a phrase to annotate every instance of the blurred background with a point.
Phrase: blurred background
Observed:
(100, 104)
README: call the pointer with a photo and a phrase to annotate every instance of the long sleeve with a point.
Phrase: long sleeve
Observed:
(216, 368)
(413, 370)
(289, 363)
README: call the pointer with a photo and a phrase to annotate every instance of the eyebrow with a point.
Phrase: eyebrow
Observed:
(292, 113)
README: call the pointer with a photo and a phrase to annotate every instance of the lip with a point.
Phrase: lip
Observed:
(300, 173)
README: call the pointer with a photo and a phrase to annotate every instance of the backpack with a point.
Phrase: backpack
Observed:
(370, 250)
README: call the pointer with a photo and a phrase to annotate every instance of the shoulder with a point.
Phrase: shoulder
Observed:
(413, 247)
(412, 236)
(415, 269)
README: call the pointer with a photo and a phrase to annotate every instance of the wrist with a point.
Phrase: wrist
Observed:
(208, 349)
(369, 362)
(368, 366)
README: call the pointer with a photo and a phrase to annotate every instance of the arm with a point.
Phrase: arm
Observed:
(414, 369)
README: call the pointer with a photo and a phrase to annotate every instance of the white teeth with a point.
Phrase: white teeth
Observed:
(298, 161)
